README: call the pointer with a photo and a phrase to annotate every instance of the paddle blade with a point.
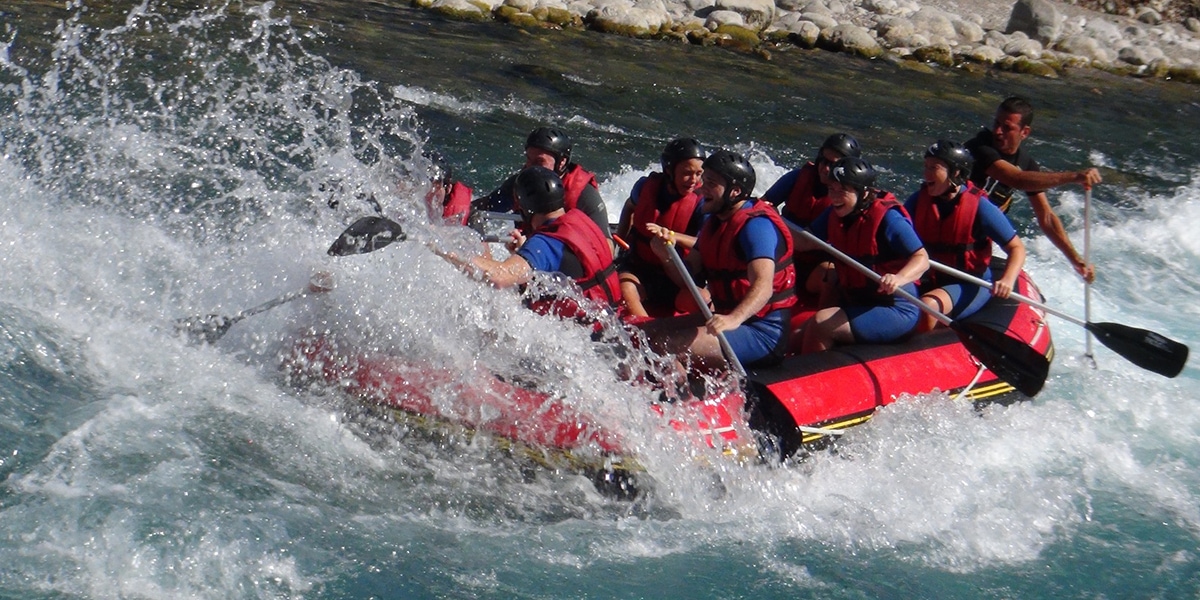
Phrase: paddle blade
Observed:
(204, 330)
(367, 234)
(1143, 348)
(1012, 360)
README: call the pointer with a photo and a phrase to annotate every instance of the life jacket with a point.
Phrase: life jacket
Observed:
(950, 239)
(728, 280)
(802, 206)
(574, 180)
(458, 205)
(857, 235)
(583, 238)
(677, 217)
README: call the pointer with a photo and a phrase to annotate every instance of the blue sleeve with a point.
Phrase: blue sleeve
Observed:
(995, 225)
(899, 233)
(636, 191)
(759, 239)
(543, 253)
(782, 188)
(820, 226)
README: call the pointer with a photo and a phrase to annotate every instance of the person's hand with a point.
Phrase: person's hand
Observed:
(1085, 270)
(1088, 177)
(320, 282)
(515, 240)
(720, 323)
(888, 284)
(1002, 288)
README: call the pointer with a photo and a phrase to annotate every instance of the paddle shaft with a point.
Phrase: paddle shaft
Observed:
(1015, 296)
(686, 276)
(1087, 260)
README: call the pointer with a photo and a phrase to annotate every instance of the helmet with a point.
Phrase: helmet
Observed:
(956, 156)
(439, 169)
(736, 170)
(552, 140)
(538, 190)
(679, 150)
(843, 144)
(854, 172)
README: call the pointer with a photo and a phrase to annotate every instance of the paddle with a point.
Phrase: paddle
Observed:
(1012, 360)
(208, 329)
(367, 234)
(730, 357)
(1146, 349)
(1087, 260)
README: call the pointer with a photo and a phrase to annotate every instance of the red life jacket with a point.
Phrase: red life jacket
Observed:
(458, 204)
(676, 217)
(574, 180)
(950, 239)
(728, 280)
(583, 238)
(802, 206)
(857, 235)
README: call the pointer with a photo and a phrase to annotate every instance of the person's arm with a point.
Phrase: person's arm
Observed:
(918, 263)
(1015, 250)
(761, 272)
(1035, 181)
(626, 220)
(901, 236)
(1053, 227)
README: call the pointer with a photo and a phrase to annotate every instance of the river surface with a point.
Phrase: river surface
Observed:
(163, 159)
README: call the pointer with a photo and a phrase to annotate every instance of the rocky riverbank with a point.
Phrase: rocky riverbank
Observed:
(1038, 37)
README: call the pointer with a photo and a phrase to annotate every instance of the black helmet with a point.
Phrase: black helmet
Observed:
(439, 168)
(736, 171)
(852, 171)
(552, 140)
(538, 190)
(679, 150)
(843, 144)
(956, 156)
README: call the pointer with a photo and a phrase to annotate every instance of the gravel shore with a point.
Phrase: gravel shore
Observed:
(1039, 37)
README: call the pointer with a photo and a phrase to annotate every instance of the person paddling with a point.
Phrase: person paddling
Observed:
(958, 225)
(550, 148)
(1002, 167)
(661, 203)
(448, 201)
(744, 250)
(873, 228)
(561, 241)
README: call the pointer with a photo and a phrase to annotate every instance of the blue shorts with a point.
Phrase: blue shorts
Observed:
(757, 339)
(967, 299)
(882, 324)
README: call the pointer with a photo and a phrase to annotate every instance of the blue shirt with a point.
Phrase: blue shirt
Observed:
(543, 253)
(896, 231)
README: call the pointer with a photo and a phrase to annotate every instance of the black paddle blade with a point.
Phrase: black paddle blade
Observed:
(1009, 358)
(204, 330)
(367, 234)
(1143, 348)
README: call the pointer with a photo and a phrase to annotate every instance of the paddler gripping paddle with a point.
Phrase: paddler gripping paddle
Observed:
(1010, 359)
(1146, 349)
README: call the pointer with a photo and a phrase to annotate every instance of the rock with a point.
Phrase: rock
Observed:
(1103, 31)
(1159, 67)
(933, 22)
(968, 32)
(1023, 47)
(758, 14)
(806, 34)
(627, 19)
(1038, 19)
(937, 53)
(521, 5)
(850, 38)
(820, 20)
(986, 54)
(896, 31)
(717, 18)
(1192, 24)
(460, 9)
(882, 7)
(1083, 45)
(1185, 73)
(1139, 55)
(1148, 15)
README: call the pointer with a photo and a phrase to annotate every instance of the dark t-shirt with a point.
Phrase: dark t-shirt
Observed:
(590, 202)
(985, 155)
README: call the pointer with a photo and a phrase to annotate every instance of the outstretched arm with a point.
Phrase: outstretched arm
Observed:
(1053, 227)
(1033, 181)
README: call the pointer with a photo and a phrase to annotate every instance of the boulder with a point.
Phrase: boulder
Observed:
(717, 18)
(933, 22)
(850, 38)
(758, 14)
(1038, 19)
(1086, 46)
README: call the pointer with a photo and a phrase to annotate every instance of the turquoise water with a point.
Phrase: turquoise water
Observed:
(169, 159)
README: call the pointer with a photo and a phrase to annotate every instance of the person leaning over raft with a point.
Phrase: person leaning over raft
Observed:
(1002, 166)
(804, 194)
(562, 241)
(958, 225)
(448, 201)
(745, 251)
(550, 148)
(871, 227)
(659, 203)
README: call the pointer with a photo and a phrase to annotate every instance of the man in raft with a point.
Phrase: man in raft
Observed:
(661, 204)
(550, 148)
(958, 225)
(744, 250)
(1002, 166)
(560, 241)
(804, 194)
(448, 201)
(871, 227)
